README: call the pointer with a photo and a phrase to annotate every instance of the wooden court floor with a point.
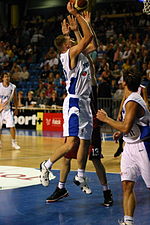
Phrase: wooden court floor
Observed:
(35, 149)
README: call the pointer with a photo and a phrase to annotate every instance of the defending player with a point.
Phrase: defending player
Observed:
(7, 94)
(135, 160)
(76, 108)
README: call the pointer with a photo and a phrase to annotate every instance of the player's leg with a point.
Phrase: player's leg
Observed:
(9, 118)
(46, 166)
(129, 201)
(101, 173)
(120, 148)
(60, 191)
(129, 175)
(80, 179)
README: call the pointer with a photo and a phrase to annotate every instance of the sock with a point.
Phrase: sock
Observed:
(128, 219)
(105, 187)
(13, 140)
(48, 164)
(80, 173)
(61, 185)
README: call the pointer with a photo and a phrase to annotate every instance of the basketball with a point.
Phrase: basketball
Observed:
(80, 5)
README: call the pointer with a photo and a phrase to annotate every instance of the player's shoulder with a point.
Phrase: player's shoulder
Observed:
(12, 85)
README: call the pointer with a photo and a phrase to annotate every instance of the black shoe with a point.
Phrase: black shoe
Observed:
(118, 152)
(58, 194)
(108, 201)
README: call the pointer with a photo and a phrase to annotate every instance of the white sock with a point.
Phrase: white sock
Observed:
(61, 185)
(128, 219)
(105, 187)
(48, 164)
(13, 140)
(81, 173)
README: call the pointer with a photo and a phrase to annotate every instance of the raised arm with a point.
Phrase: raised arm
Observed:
(87, 34)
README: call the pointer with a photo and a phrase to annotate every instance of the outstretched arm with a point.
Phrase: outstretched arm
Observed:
(85, 40)
(125, 125)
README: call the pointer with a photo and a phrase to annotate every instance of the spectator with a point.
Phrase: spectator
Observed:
(54, 101)
(21, 100)
(42, 100)
(30, 100)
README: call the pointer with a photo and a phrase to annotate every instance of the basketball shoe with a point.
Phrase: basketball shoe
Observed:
(121, 222)
(44, 176)
(58, 194)
(108, 201)
(82, 182)
(15, 145)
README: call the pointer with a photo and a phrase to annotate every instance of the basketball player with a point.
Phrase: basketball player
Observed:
(95, 147)
(7, 94)
(142, 90)
(135, 127)
(77, 112)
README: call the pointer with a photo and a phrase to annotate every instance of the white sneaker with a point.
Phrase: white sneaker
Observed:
(15, 145)
(82, 182)
(44, 177)
(125, 223)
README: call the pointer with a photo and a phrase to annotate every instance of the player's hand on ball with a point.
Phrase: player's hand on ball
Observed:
(101, 115)
(71, 9)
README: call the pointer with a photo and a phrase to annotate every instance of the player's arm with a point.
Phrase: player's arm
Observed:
(87, 35)
(124, 126)
(120, 108)
(93, 45)
(144, 95)
(15, 102)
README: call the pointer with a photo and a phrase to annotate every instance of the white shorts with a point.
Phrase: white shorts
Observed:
(7, 117)
(78, 119)
(135, 162)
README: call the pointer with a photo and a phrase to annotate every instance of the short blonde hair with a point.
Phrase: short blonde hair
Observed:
(59, 41)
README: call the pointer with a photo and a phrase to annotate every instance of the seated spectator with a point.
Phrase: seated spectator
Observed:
(24, 74)
(54, 101)
(49, 90)
(116, 72)
(30, 100)
(118, 95)
(21, 100)
(41, 87)
(58, 84)
(15, 71)
(42, 100)
(50, 78)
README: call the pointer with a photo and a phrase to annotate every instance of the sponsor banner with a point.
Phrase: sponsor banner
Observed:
(39, 124)
(26, 119)
(53, 121)
(16, 177)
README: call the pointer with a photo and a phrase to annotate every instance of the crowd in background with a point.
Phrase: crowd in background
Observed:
(28, 53)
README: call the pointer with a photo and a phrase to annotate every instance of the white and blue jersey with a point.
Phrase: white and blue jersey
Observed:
(135, 159)
(141, 127)
(6, 94)
(76, 108)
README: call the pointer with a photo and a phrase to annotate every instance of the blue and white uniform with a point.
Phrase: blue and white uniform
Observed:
(136, 155)
(77, 114)
(6, 94)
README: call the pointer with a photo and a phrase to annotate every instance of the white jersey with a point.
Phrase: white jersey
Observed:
(140, 130)
(6, 94)
(77, 79)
